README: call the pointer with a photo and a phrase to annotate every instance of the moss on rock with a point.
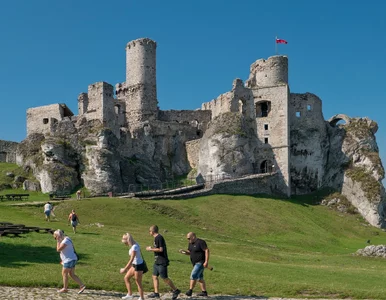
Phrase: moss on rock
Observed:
(370, 186)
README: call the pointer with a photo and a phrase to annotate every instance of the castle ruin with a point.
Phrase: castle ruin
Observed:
(258, 128)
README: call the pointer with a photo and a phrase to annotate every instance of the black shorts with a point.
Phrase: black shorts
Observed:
(139, 267)
(160, 270)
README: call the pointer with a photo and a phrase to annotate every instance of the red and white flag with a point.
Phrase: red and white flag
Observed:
(281, 41)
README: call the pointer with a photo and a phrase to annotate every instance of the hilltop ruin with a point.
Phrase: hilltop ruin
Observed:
(259, 129)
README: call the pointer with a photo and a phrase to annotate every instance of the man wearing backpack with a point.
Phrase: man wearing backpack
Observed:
(74, 219)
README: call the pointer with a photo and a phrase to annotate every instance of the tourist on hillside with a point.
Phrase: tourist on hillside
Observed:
(160, 267)
(47, 211)
(69, 258)
(78, 194)
(74, 220)
(199, 256)
(134, 268)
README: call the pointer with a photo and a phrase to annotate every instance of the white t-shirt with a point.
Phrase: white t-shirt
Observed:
(67, 254)
(138, 258)
(47, 207)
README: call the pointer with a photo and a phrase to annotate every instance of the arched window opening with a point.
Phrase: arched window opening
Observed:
(264, 167)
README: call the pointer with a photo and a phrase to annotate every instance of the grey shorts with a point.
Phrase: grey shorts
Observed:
(160, 270)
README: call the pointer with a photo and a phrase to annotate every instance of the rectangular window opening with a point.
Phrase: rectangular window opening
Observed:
(265, 140)
(298, 114)
(309, 107)
(265, 126)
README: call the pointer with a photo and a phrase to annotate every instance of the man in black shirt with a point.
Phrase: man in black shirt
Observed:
(199, 256)
(160, 267)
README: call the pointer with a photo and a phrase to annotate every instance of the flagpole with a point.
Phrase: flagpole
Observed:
(275, 45)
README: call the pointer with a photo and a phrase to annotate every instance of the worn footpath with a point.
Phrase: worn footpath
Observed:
(23, 293)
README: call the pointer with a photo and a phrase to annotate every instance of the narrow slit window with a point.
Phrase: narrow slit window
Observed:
(309, 107)
(265, 140)
(265, 126)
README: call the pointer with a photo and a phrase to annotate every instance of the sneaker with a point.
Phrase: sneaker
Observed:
(203, 294)
(127, 297)
(82, 288)
(189, 293)
(153, 295)
(175, 294)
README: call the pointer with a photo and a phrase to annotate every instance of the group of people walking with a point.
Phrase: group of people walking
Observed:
(136, 266)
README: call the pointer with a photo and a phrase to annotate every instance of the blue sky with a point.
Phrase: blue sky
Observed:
(52, 50)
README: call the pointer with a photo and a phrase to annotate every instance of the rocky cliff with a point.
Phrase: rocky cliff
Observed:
(341, 157)
(80, 152)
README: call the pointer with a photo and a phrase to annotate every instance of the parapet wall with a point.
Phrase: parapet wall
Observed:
(8, 151)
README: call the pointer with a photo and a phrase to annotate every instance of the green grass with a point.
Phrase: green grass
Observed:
(259, 246)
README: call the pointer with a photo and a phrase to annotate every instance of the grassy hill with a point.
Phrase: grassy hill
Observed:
(259, 246)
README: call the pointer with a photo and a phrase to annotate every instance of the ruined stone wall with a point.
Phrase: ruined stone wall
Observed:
(42, 119)
(82, 103)
(102, 106)
(220, 105)
(8, 151)
(269, 184)
(239, 99)
(161, 128)
(309, 142)
(196, 118)
(193, 151)
(272, 125)
(140, 85)
(268, 72)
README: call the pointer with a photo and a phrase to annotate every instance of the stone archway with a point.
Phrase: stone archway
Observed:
(335, 119)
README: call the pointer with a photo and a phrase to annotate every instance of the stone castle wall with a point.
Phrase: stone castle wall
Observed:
(239, 99)
(43, 119)
(268, 184)
(196, 118)
(309, 141)
(8, 151)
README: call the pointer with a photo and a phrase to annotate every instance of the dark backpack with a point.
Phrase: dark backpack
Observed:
(73, 217)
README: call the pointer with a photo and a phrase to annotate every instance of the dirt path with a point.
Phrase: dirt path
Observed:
(22, 293)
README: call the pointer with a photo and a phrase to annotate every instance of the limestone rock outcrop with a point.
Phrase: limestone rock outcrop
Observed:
(82, 152)
(227, 147)
(373, 250)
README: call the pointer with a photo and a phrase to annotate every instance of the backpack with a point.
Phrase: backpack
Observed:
(73, 217)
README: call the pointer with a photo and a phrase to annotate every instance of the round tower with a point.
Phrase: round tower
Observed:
(269, 72)
(141, 97)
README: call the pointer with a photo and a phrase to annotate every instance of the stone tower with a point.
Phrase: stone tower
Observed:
(141, 95)
(268, 80)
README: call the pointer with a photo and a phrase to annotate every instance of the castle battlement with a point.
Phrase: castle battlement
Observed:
(142, 42)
